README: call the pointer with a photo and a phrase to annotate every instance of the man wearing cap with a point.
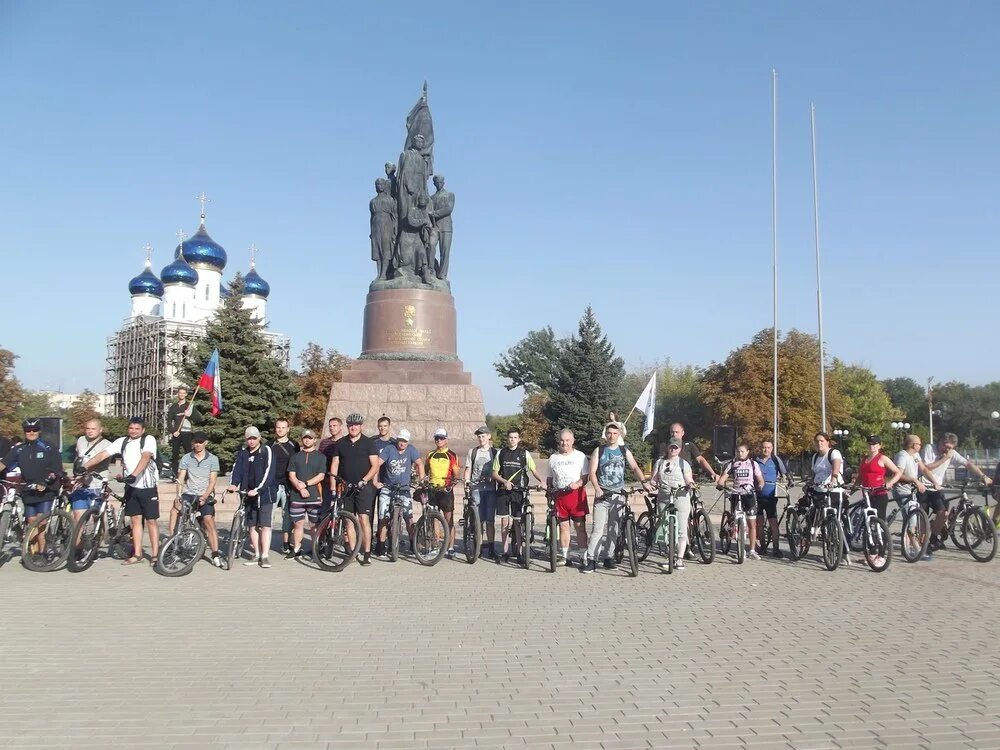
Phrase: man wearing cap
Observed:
(306, 471)
(479, 477)
(254, 473)
(283, 449)
(41, 468)
(396, 462)
(608, 464)
(140, 475)
(355, 462)
(197, 474)
(442, 471)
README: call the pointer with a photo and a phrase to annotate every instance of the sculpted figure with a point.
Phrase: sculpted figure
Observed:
(384, 226)
(442, 204)
(390, 173)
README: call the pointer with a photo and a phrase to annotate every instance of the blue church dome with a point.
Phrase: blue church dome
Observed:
(179, 272)
(201, 251)
(146, 283)
(254, 284)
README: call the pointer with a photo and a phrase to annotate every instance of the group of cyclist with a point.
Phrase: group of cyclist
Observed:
(303, 478)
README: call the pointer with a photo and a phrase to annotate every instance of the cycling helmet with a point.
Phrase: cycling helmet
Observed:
(355, 419)
(32, 425)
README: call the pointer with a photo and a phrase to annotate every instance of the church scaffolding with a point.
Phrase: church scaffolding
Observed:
(146, 361)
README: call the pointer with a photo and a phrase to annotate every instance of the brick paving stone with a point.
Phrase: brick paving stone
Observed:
(582, 670)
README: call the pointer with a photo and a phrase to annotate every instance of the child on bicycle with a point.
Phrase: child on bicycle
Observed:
(747, 481)
(672, 473)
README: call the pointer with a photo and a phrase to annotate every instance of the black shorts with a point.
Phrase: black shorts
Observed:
(259, 516)
(206, 510)
(139, 502)
(934, 500)
(443, 499)
(509, 503)
(749, 503)
(767, 506)
(359, 502)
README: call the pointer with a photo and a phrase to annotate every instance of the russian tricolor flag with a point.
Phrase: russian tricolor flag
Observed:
(210, 382)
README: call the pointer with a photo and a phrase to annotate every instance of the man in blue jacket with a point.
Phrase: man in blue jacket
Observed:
(773, 469)
(255, 473)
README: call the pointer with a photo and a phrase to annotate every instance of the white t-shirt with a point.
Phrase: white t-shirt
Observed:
(567, 468)
(931, 455)
(133, 454)
(85, 450)
(910, 466)
(822, 467)
(668, 474)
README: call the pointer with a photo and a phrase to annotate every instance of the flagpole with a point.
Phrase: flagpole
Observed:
(774, 246)
(819, 285)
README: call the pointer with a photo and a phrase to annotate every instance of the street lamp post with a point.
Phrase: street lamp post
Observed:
(841, 437)
(901, 428)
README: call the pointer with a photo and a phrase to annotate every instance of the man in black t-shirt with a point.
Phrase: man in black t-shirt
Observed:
(355, 462)
(283, 448)
(690, 451)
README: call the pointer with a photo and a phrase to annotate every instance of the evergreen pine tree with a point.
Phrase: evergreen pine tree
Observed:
(586, 385)
(256, 387)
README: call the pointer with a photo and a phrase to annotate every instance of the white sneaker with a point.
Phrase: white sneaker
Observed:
(752, 554)
(255, 560)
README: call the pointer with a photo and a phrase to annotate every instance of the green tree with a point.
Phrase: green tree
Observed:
(256, 387)
(11, 395)
(532, 362)
(909, 397)
(35, 405)
(586, 386)
(84, 409)
(321, 368)
(868, 405)
(966, 410)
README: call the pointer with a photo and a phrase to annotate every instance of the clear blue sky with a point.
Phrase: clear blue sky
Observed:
(608, 154)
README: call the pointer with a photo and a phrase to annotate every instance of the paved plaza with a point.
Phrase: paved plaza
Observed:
(770, 654)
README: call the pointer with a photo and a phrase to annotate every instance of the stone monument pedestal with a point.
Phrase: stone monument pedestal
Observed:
(409, 370)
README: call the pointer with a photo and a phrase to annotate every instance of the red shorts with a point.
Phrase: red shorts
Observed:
(571, 504)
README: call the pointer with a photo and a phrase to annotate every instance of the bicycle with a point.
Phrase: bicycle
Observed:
(472, 529)
(47, 539)
(431, 529)
(733, 526)
(98, 521)
(808, 521)
(765, 539)
(916, 532)
(627, 534)
(667, 528)
(11, 519)
(397, 507)
(180, 551)
(970, 524)
(701, 533)
(874, 533)
(332, 550)
(551, 529)
(238, 531)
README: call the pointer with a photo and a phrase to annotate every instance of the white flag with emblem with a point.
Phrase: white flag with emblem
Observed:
(646, 403)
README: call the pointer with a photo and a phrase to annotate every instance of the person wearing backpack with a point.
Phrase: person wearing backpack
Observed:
(479, 477)
(140, 475)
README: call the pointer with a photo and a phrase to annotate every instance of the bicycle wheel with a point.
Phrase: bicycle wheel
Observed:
(671, 543)
(856, 537)
(553, 544)
(633, 561)
(833, 542)
(120, 545)
(431, 537)
(395, 533)
(4, 530)
(979, 535)
(237, 538)
(726, 533)
(180, 552)
(527, 536)
(878, 545)
(915, 535)
(87, 538)
(764, 538)
(53, 530)
(644, 535)
(472, 534)
(702, 536)
(741, 532)
(954, 528)
(332, 551)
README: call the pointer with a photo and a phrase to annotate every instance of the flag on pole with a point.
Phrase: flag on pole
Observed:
(646, 403)
(210, 382)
